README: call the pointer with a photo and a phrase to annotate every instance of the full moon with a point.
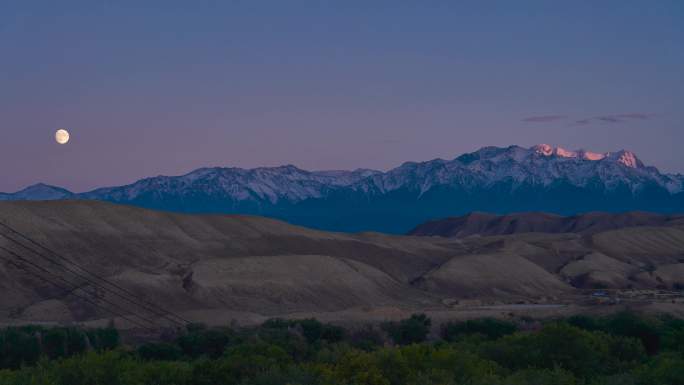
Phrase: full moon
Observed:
(62, 136)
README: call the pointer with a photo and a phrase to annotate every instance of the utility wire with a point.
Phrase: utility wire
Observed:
(90, 281)
(155, 309)
(72, 286)
(69, 291)
(145, 304)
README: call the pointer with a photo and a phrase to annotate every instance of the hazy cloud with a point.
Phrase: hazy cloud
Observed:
(635, 115)
(609, 119)
(544, 118)
(616, 118)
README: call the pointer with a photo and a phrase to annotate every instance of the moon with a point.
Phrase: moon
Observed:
(62, 136)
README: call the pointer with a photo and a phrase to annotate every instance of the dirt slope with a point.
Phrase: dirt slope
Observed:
(489, 224)
(211, 266)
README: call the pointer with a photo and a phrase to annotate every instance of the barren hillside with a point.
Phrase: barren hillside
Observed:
(206, 267)
(589, 223)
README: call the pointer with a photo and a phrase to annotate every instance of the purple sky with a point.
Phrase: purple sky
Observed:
(166, 88)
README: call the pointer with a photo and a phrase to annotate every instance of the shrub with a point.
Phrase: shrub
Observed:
(104, 339)
(586, 322)
(664, 369)
(248, 360)
(92, 368)
(54, 343)
(204, 342)
(293, 343)
(18, 347)
(672, 334)
(629, 325)
(359, 368)
(583, 353)
(409, 331)
(332, 334)
(311, 329)
(554, 376)
(615, 379)
(160, 352)
(367, 338)
(157, 373)
(276, 323)
(488, 327)
(75, 341)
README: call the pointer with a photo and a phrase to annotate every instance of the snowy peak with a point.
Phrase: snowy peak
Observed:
(548, 150)
(543, 149)
(623, 157)
(626, 158)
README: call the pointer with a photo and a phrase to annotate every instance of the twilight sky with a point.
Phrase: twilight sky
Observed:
(170, 86)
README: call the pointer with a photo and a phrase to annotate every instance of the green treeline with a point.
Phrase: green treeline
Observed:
(24, 346)
(622, 349)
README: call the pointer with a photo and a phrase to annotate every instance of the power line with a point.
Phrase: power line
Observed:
(93, 283)
(146, 305)
(67, 290)
(141, 303)
(72, 285)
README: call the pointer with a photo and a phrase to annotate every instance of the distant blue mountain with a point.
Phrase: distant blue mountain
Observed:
(492, 179)
(38, 192)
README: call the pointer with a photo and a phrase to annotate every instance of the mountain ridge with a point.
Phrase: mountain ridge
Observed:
(497, 179)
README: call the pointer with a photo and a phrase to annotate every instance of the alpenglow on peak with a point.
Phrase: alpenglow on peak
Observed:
(624, 157)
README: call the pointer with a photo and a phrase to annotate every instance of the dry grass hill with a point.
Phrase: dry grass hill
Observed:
(590, 223)
(214, 268)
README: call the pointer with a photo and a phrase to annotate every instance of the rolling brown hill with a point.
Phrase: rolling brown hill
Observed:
(490, 224)
(215, 268)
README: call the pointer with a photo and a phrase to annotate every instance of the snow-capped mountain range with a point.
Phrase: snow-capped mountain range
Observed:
(540, 178)
(265, 184)
(541, 165)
